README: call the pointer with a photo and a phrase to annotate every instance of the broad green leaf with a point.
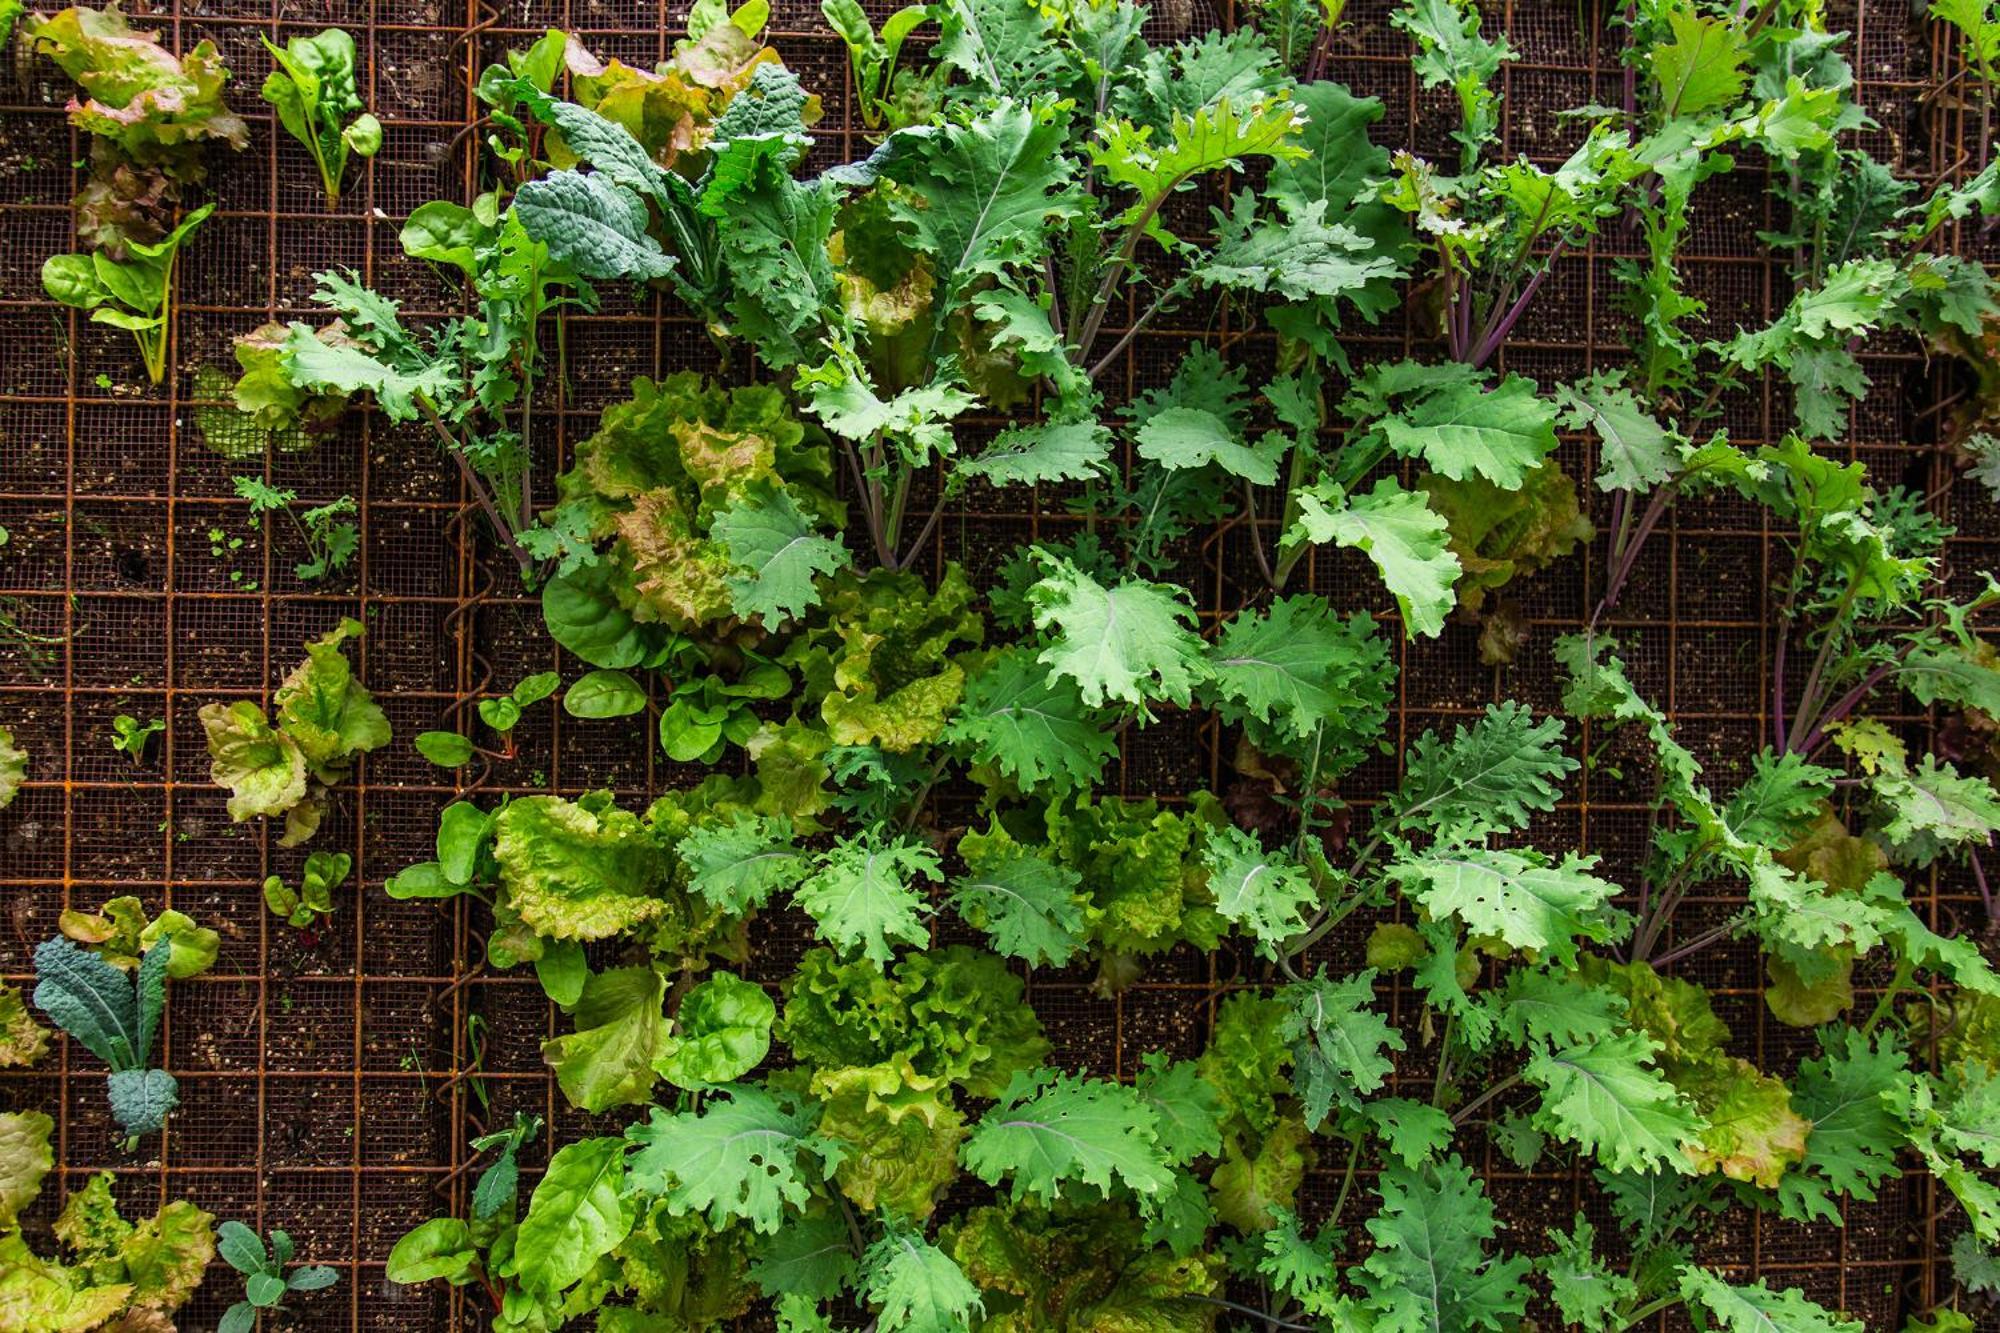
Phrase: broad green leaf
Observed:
(1588, 1292)
(811, 1255)
(1855, 1135)
(1936, 805)
(983, 194)
(584, 616)
(1303, 256)
(737, 866)
(1028, 906)
(1337, 1042)
(768, 536)
(1190, 437)
(864, 894)
(621, 1031)
(1634, 451)
(1409, 542)
(13, 768)
(1756, 1308)
(344, 368)
(1050, 1131)
(1430, 1269)
(602, 694)
(1274, 665)
(1043, 452)
(744, 1155)
(1609, 1099)
(1700, 68)
(1521, 898)
(1215, 136)
(591, 224)
(1264, 893)
(1460, 429)
(1186, 1105)
(263, 768)
(722, 1031)
(1492, 777)
(572, 871)
(915, 1286)
(578, 1213)
(1129, 643)
(1030, 725)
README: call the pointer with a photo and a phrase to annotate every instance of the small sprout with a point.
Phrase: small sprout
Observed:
(265, 1282)
(331, 541)
(314, 91)
(324, 872)
(131, 738)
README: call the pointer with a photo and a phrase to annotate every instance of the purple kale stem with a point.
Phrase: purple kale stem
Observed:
(1778, 684)
(1695, 945)
(1846, 704)
(1655, 509)
(1491, 342)
(1985, 893)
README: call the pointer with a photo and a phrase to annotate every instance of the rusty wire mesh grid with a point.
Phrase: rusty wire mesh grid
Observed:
(330, 1086)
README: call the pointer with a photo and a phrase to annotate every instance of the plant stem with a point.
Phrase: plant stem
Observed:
(892, 525)
(1656, 508)
(480, 491)
(1651, 1308)
(1807, 710)
(1346, 1183)
(1103, 363)
(1464, 1112)
(1270, 1320)
(1897, 985)
(1979, 878)
(1256, 538)
(909, 557)
(1837, 711)
(1695, 945)
(1444, 1059)
(1663, 911)
(1129, 246)
(1497, 335)
(870, 498)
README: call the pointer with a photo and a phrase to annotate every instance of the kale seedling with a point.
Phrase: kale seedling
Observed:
(265, 1282)
(129, 737)
(330, 539)
(115, 1018)
(313, 89)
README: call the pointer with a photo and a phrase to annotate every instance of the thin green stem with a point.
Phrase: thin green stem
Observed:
(1808, 707)
(1346, 1182)
(1649, 1309)
(1464, 1112)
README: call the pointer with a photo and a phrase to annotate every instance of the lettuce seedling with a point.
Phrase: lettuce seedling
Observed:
(134, 295)
(326, 720)
(151, 116)
(314, 91)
